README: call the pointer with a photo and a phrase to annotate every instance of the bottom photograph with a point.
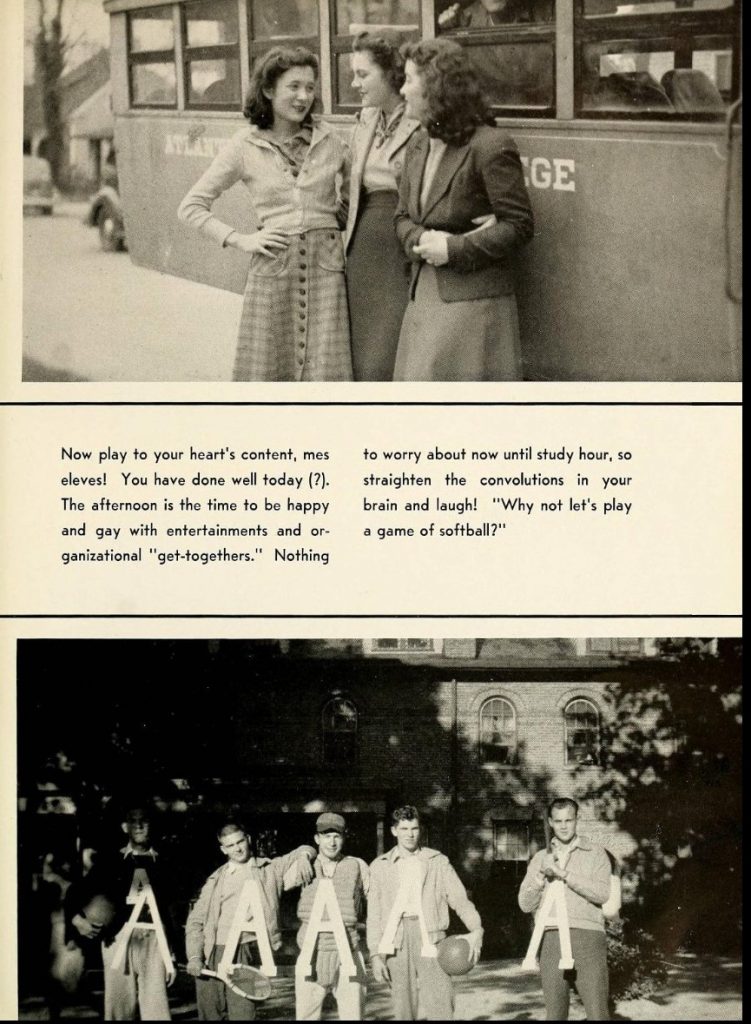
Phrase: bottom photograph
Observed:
(379, 829)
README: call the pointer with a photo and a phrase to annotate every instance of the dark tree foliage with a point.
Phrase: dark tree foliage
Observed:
(671, 756)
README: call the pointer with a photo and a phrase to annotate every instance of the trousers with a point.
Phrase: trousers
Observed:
(139, 983)
(349, 993)
(416, 977)
(214, 1000)
(589, 976)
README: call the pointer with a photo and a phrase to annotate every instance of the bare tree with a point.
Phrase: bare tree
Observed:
(50, 48)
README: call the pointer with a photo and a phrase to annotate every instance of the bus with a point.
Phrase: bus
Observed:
(628, 121)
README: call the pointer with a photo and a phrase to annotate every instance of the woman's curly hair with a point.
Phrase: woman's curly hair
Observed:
(267, 71)
(456, 103)
(385, 53)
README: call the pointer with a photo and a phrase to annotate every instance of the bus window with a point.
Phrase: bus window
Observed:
(212, 58)
(151, 58)
(283, 19)
(511, 45)
(488, 13)
(397, 18)
(655, 58)
(289, 22)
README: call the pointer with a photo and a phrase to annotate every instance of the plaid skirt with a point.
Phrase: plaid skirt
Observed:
(294, 324)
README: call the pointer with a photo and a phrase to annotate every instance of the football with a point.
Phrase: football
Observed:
(453, 955)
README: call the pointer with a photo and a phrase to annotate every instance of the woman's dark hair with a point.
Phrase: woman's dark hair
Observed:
(385, 53)
(456, 103)
(267, 71)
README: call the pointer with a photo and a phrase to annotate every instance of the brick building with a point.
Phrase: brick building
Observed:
(479, 734)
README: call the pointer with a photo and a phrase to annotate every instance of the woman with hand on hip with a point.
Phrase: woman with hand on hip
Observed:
(377, 271)
(294, 323)
(463, 215)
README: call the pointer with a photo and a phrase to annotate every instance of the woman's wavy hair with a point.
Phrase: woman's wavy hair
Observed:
(385, 53)
(267, 71)
(456, 102)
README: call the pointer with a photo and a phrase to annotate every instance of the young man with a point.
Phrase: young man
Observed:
(211, 918)
(584, 868)
(349, 876)
(411, 890)
(141, 979)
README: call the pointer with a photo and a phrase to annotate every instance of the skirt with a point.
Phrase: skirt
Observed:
(377, 286)
(294, 324)
(473, 340)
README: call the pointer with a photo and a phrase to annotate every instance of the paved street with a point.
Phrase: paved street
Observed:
(81, 305)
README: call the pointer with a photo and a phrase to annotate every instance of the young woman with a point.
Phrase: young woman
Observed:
(294, 323)
(377, 271)
(463, 214)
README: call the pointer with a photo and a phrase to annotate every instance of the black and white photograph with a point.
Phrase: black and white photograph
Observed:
(298, 829)
(381, 190)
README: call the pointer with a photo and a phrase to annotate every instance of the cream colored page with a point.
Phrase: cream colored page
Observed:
(446, 510)
(676, 551)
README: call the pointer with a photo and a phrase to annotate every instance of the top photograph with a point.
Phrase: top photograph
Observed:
(382, 190)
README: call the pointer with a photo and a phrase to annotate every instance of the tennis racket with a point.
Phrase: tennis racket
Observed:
(245, 981)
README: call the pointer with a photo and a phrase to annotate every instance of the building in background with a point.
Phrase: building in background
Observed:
(478, 733)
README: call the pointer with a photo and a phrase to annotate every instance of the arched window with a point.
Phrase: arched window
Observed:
(582, 732)
(498, 731)
(339, 732)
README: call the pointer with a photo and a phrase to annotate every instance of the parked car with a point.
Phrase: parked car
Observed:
(106, 212)
(38, 190)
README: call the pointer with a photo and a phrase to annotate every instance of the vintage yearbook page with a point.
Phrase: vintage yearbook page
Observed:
(324, 322)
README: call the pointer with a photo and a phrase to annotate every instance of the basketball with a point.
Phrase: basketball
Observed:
(99, 911)
(453, 955)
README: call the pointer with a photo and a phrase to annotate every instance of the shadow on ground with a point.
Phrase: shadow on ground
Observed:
(36, 372)
(698, 988)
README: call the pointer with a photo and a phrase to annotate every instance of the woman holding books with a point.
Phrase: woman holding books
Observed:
(462, 217)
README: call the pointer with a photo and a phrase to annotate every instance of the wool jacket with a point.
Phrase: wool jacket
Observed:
(480, 178)
(315, 198)
(112, 876)
(203, 919)
(441, 888)
(587, 885)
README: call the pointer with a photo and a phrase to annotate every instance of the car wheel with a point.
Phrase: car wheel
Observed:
(109, 235)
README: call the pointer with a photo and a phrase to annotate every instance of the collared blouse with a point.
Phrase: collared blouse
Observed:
(281, 200)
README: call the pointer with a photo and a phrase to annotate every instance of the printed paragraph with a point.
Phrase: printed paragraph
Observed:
(195, 505)
(478, 492)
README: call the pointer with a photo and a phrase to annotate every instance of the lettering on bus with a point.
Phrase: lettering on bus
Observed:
(558, 174)
(182, 144)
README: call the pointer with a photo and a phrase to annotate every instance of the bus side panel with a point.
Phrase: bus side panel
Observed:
(159, 160)
(625, 279)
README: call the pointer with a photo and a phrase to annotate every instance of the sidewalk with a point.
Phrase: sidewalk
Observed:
(698, 988)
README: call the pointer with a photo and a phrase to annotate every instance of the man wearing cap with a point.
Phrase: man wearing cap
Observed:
(411, 890)
(349, 878)
(209, 922)
(585, 870)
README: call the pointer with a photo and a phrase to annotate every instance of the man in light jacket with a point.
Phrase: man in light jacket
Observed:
(411, 890)
(584, 868)
(209, 922)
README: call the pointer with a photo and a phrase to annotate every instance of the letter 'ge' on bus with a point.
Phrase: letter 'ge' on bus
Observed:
(626, 116)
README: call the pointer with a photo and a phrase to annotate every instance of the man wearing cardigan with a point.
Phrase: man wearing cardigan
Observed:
(349, 876)
(209, 922)
(584, 869)
(411, 890)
